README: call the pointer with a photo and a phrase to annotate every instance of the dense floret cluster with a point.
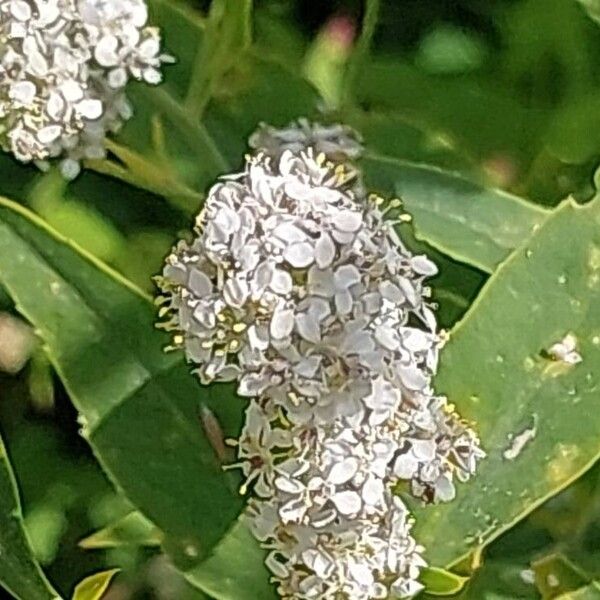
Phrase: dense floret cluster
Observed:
(64, 65)
(298, 287)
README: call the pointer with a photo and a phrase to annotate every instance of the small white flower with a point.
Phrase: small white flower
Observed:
(63, 72)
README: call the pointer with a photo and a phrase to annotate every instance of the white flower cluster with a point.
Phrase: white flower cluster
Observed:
(337, 142)
(298, 287)
(64, 65)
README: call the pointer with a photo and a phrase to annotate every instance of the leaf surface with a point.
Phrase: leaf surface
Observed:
(20, 573)
(536, 416)
(139, 406)
(465, 220)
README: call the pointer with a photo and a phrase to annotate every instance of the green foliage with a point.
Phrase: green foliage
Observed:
(497, 370)
(94, 586)
(20, 574)
(469, 222)
(481, 119)
(121, 383)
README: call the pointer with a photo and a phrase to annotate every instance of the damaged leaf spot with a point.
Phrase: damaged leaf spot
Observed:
(519, 441)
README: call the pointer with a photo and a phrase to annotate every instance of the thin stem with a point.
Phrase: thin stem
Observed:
(361, 51)
(194, 132)
(200, 86)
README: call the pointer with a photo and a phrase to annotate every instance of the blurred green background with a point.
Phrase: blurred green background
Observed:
(506, 91)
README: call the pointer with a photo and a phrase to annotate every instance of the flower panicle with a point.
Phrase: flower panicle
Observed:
(64, 66)
(297, 287)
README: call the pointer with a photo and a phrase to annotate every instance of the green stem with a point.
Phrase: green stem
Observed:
(361, 51)
(193, 131)
(200, 88)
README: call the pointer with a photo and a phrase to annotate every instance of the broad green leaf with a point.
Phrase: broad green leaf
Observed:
(536, 416)
(592, 8)
(131, 530)
(392, 136)
(95, 586)
(236, 570)
(20, 574)
(139, 406)
(439, 582)
(465, 220)
(481, 118)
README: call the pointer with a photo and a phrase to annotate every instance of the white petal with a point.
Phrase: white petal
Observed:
(308, 327)
(391, 292)
(387, 337)
(48, 134)
(408, 289)
(444, 489)
(372, 491)
(405, 466)
(348, 221)
(149, 48)
(324, 251)
(288, 486)
(346, 276)
(282, 323)
(347, 503)
(412, 377)
(152, 76)
(299, 255)
(105, 52)
(23, 92)
(90, 108)
(320, 282)
(343, 471)
(292, 511)
(422, 265)
(275, 566)
(199, 283)
(20, 10)
(289, 233)
(117, 78)
(282, 282)
(69, 168)
(235, 292)
(424, 450)
(71, 91)
(343, 302)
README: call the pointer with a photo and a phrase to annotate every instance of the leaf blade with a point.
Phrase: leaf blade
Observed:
(20, 573)
(495, 369)
(462, 219)
(100, 335)
(94, 587)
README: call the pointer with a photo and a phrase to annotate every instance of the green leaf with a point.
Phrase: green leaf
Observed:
(139, 406)
(131, 530)
(236, 570)
(494, 124)
(592, 7)
(20, 574)
(463, 219)
(439, 582)
(94, 586)
(537, 417)
(588, 592)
